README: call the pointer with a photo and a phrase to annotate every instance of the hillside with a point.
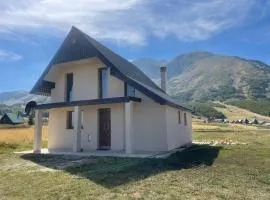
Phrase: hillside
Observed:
(21, 98)
(203, 76)
(236, 113)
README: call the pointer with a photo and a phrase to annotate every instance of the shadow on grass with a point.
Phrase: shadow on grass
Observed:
(114, 171)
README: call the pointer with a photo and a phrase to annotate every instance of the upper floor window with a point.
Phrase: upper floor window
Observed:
(103, 82)
(129, 90)
(69, 86)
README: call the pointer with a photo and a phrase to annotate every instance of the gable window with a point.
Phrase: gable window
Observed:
(129, 90)
(70, 118)
(179, 116)
(69, 86)
(185, 118)
(103, 82)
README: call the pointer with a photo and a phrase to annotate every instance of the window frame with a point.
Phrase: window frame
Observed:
(179, 117)
(69, 91)
(185, 118)
(100, 82)
(126, 90)
(69, 120)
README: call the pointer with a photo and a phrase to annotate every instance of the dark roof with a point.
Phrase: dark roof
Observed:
(14, 118)
(79, 45)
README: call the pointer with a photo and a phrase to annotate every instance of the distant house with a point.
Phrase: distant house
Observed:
(11, 118)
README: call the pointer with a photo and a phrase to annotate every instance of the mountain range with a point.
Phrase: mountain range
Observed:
(20, 98)
(202, 76)
(196, 76)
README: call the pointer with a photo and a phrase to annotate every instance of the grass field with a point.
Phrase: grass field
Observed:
(201, 172)
(236, 113)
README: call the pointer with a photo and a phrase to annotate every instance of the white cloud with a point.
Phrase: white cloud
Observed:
(130, 21)
(7, 56)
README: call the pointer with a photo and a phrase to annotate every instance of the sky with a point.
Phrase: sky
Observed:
(32, 30)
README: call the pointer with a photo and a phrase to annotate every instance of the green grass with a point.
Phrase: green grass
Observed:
(260, 106)
(200, 172)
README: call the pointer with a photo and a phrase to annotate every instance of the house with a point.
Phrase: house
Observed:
(101, 101)
(11, 118)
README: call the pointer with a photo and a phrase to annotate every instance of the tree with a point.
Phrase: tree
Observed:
(31, 118)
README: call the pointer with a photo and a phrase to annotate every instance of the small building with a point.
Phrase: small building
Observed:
(11, 118)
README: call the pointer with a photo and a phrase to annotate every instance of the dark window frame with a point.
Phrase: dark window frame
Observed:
(100, 82)
(69, 124)
(126, 90)
(179, 116)
(69, 86)
(185, 118)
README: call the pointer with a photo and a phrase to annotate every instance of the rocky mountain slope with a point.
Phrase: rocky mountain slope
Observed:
(20, 97)
(207, 76)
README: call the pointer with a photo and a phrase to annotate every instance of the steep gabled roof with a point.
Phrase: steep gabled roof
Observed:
(79, 45)
(14, 118)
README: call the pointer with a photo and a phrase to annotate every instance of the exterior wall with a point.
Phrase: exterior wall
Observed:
(155, 126)
(178, 134)
(61, 138)
(149, 124)
(116, 87)
(85, 81)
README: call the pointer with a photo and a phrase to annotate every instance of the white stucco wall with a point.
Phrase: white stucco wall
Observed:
(85, 81)
(149, 125)
(155, 126)
(61, 138)
(178, 134)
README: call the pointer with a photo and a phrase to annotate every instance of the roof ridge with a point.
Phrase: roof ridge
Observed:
(97, 44)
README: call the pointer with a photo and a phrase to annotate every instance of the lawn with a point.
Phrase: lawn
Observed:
(236, 113)
(200, 172)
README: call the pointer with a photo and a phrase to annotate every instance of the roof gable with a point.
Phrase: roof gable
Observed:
(79, 45)
(14, 118)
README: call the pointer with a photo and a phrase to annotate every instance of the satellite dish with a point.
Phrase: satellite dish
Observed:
(29, 107)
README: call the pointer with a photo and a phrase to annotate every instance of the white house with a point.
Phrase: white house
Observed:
(101, 101)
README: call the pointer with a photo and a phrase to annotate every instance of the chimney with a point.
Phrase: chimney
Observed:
(163, 74)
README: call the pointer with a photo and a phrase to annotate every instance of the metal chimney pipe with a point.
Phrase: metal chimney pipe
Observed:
(163, 76)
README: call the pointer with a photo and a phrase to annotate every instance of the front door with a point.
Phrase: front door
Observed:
(104, 115)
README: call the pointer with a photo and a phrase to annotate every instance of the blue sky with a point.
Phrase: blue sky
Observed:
(32, 30)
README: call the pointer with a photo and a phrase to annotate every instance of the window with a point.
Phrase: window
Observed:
(103, 82)
(179, 116)
(129, 90)
(70, 118)
(82, 119)
(185, 118)
(69, 86)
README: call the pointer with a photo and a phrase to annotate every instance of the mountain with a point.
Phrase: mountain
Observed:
(150, 66)
(20, 97)
(202, 76)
